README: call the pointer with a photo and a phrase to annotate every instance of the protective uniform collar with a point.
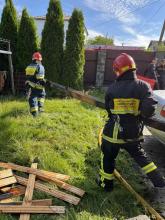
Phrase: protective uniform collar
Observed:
(129, 75)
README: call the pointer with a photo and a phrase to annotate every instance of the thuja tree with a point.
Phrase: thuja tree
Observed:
(8, 27)
(27, 40)
(74, 52)
(52, 41)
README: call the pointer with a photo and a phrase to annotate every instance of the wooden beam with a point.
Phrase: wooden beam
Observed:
(5, 189)
(6, 201)
(7, 181)
(54, 192)
(32, 209)
(5, 173)
(139, 198)
(41, 202)
(5, 52)
(29, 193)
(55, 175)
(39, 173)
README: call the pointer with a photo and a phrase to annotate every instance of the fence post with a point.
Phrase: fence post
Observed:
(101, 60)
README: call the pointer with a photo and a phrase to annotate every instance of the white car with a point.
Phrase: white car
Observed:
(160, 114)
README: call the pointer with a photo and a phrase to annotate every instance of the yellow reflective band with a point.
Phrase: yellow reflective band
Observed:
(115, 141)
(120, 141)
(125, 68)
(100, 137)
(34, 85)
(30, 71)
(116, 130)
(149, 168)
(101, 160)
(41, 100)
(124, 106)
(34, 109)
(107, 176)
(39, 76)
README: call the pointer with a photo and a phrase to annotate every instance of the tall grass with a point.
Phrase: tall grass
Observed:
(64, 139)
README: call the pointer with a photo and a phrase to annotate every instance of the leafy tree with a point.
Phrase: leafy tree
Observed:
(27, 40)
(74, 57)
(100, 40)
(52, 41)
(161, 47)
(9, 26)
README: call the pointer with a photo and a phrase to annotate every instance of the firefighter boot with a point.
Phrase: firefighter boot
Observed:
(107, 185)
(156, 179)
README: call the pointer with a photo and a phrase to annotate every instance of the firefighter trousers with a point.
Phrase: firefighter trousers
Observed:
(108, 157)
(36, 101)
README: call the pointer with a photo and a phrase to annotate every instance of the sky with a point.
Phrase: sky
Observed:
(128, 22)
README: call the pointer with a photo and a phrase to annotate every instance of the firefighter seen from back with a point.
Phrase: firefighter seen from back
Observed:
(127, 101)
(35, 84)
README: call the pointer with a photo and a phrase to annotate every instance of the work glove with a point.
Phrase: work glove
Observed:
(42, 82)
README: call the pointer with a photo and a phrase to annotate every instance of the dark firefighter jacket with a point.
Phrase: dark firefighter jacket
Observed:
(127, 101)
(35, 74)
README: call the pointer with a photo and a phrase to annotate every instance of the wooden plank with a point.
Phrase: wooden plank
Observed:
(56, 175)
(16, 191)
(5, 173)
(29, 193)
(40, 173)
(5, 52)
(56, 193)
(139, 198)
(5, 189)
(58, 182)
(41, 202)
(6, 201)
(32, 209)
(7, 181)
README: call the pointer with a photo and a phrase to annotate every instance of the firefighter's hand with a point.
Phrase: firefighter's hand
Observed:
(42, 82)
(48, 83)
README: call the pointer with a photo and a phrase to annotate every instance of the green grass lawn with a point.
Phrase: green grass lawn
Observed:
(64, 139)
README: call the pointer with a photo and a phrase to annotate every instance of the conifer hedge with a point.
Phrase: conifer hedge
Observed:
(74, 58)
(9, 27)
(27, 40)
(52, 41)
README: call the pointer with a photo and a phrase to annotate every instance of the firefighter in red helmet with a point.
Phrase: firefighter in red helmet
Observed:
(127, 101)
(35, 84)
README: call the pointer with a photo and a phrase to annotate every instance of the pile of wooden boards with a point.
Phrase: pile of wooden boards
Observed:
(12, 185)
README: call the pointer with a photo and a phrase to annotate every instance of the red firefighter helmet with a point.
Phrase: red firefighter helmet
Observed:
(37, 56)
(123, 63)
